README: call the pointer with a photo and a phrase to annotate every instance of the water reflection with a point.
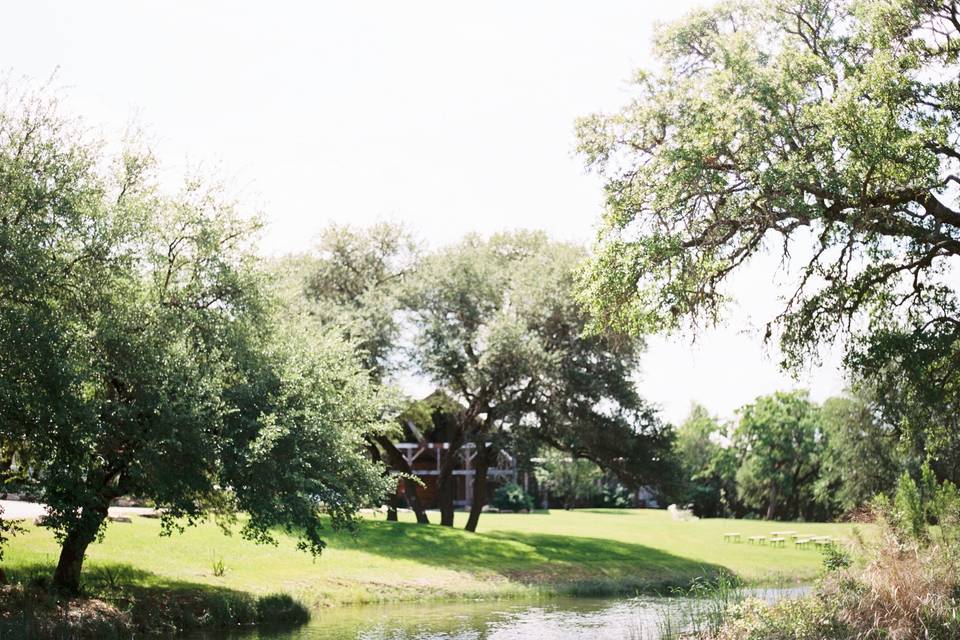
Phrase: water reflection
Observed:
(559, 618)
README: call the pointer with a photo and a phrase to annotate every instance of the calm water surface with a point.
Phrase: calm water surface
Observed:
(551, 619)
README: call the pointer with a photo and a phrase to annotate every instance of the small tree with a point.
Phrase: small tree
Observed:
(354, 281)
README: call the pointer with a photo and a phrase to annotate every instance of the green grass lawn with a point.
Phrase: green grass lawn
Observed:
(512, 554)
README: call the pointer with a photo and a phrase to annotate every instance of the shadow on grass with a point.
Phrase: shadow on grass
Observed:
(558, 562)
(119, 600)
(606, 511)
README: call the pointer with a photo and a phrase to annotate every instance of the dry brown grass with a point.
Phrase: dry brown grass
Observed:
(903, 591)
(900, 590)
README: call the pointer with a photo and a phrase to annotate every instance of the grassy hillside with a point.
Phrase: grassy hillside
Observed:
(586, 551)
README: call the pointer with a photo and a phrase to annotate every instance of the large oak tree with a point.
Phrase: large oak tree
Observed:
(140, 354)
(825, 128)
(496, 327)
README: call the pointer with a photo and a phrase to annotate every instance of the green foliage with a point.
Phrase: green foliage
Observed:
(497, 328)
(696, 442)
(801, 619)
(141, 354)
(862, 455)
(827, 130)
(908, 510)
(614, 495)
(897, 589)
(217, 566)
(701, 610)
(929, 488)
(746, 131)
(836, 557)
(494, 326)
(132, 610)
(922, 514)
(946, 511)
(788, 458)
(512, 497)
(574, 480)
(909, 375)
(296, 439)
(778, 441)
(700, 453)
(280, 609)
(354, 281)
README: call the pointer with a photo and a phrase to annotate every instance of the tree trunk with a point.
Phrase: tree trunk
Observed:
(392, 503)
(481, 464)
(67, 574)
(445, 498)
(66, 577)
(392, 498)
(395, 456)
(772, 505)
(446, 481)
(413, 501)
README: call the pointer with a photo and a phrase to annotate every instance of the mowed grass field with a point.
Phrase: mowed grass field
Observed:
(583, 551)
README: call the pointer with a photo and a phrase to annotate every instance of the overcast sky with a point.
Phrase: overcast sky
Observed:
(448, 116)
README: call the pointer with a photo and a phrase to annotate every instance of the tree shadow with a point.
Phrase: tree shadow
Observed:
(534, 558)
(135, 601)
(606, 511)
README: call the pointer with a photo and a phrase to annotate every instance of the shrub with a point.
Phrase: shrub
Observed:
(899, 590)
(909, 514)
(281, 609)
(616, 496)
(803, 619)
(512, 497)
(836, 557)
(904, 586)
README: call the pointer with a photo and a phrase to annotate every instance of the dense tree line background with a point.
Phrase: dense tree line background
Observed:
(786, 457)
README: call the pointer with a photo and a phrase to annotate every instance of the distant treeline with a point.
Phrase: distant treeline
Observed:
(786, 457)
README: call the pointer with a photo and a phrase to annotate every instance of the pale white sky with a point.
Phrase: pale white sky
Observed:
(448, 116)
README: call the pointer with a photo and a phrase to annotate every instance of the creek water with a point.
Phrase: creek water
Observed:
(641, 618)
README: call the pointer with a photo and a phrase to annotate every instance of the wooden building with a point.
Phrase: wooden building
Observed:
(424, 458)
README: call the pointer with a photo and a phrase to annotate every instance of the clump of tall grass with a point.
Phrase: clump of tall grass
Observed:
(695, 611)
(702, 609)
(908, 584)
